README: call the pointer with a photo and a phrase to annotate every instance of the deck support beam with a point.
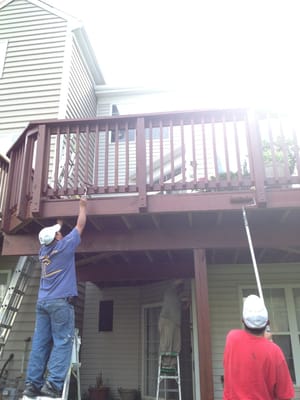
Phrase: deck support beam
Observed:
(203, 321)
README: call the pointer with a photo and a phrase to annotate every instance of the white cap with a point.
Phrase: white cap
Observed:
(255, 314)
(47, 235)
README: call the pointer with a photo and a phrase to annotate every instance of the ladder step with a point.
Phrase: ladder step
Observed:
(14, 296)
(41, 398)
(6, 326)
(167, 373)
(10, 308)
(16, 291)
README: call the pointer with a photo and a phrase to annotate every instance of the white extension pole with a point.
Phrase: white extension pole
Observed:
(252, 255)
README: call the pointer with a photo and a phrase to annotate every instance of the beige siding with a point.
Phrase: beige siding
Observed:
(224, 285)
(81, 98)
(104, 110)
(31, 79)
(114, 353)
(118, 354)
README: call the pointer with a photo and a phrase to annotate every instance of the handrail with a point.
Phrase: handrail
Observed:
(194, 151)
(4, 165)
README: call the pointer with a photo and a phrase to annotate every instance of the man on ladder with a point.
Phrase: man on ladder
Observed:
(169, 326)
(54, 330)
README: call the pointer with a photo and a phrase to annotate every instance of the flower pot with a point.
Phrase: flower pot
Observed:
(127, 394)
(99, 393)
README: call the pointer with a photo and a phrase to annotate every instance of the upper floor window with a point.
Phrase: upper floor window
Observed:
(283, 304)
(155, 134)
(121, 135)
(3, 47)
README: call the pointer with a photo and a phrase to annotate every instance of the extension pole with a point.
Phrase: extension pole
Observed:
(252, 255)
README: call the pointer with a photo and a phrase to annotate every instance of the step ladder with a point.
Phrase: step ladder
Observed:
(73, 370)
(167, 374)
(14, 296)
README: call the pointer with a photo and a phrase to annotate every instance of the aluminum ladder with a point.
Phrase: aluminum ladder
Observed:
(168, 373)
(73, 370)
(14, 296)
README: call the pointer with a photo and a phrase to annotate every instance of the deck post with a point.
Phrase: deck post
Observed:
(141, 173)
(38, 170)
(203, 320)
(26, 176)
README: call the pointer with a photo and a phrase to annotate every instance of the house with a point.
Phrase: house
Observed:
(166, 194)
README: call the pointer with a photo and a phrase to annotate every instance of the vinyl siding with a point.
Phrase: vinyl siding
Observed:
(32, 74)
(224, 285)
(81, 98)
(117, 354)
(104, 110)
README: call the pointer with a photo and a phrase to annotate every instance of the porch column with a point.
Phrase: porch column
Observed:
(203, 321)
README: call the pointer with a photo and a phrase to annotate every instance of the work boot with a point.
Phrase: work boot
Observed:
(49, 390)
(31, 390)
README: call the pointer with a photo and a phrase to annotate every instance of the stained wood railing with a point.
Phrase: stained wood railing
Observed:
(3, 181)
(182, 152)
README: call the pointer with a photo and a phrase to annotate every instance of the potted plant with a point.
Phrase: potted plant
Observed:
(277, 153)
(99, 391)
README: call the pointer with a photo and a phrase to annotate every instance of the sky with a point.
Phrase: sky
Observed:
(235, 52)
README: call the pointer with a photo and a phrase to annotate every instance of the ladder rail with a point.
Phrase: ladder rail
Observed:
(73, 370)
(168, 373)
(14, 295)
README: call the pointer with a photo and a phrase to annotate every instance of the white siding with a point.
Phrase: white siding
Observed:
(81, 99)
(114, 353)
(104, 110)
(31, 79)
(118, 354)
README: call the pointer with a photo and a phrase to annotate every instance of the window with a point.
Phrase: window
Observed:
(122, 135)
(155, 132)
(106, 309)
(3, 47)
(283, 304)
(151, 345)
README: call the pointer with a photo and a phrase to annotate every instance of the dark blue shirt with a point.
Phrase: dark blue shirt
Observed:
(58, 275)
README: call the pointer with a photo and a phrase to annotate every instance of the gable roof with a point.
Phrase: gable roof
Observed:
(78, 30)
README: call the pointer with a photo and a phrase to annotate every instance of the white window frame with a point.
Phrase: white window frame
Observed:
(291, 314)
(3, 48)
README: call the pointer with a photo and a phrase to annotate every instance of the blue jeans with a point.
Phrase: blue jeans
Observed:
(52, 343)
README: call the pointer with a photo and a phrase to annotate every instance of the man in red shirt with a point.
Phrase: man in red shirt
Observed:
(254, 367)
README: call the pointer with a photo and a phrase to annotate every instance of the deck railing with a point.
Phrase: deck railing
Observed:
(215, 150)
(3, 182)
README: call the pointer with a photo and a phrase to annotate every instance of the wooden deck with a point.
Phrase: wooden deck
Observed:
(159, 185)
(165, 197)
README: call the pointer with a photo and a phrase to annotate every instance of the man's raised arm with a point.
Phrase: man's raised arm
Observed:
(81, 220)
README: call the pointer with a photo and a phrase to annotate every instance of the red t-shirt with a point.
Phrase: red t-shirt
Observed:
(255, 369)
